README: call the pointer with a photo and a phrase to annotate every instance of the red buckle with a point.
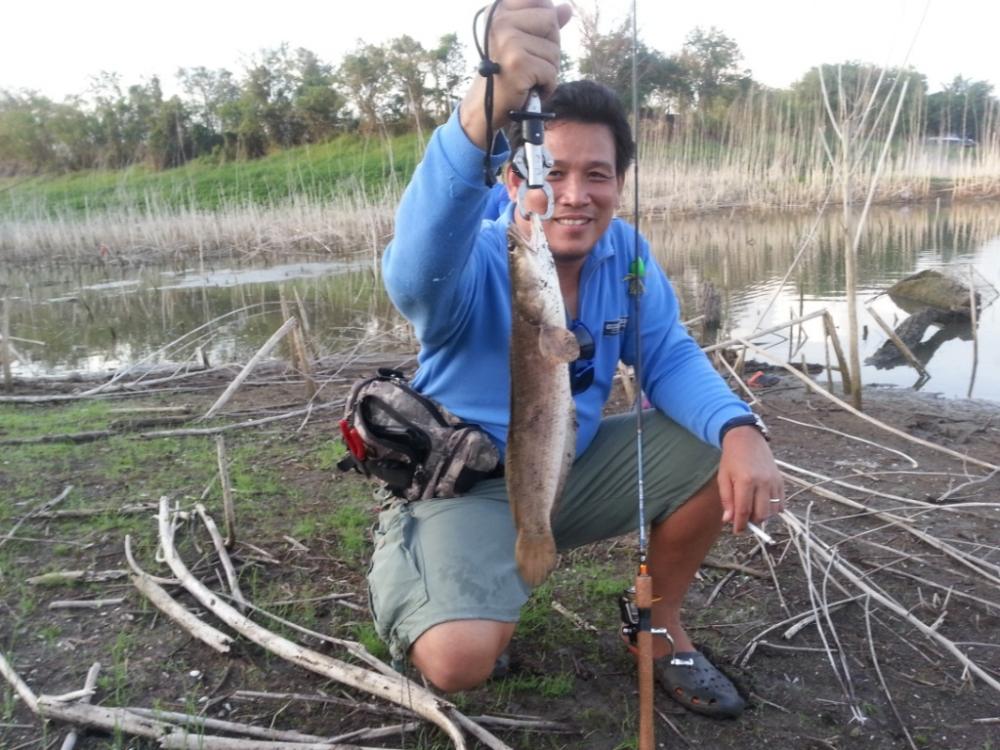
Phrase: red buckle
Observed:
(355, 443)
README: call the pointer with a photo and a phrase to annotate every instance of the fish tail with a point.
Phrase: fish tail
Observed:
(536, 556)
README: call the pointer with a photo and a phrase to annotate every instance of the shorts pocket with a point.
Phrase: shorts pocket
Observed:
(396, 588)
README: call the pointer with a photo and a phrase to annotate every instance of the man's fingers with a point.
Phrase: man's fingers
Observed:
(726, 497)
(564, 13)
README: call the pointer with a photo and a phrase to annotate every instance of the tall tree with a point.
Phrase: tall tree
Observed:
(362, 74)
(447, 69)
(711, 61)
(607, 59)
(408, 67)
(964, 107)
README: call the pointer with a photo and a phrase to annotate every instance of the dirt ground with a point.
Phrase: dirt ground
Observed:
(302, 535)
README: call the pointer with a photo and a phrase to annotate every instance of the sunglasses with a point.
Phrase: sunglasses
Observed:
(581, 370)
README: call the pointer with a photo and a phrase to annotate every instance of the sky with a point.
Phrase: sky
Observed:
(54, 46)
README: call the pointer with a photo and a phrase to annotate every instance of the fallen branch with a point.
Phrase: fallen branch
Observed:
(19, 685)
(224, 559)
(400, 691)
(835, 562)
(58, 577)
(248, 367)
(201, 723)
(878, 423)
(124, 510)
(48, 505)
(65, 437)
(85, 603)
(214, 639)
(89, 684)
(573, 617)
(849, 436)
(228, 509)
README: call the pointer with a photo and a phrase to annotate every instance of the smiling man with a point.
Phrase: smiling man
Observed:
(444, 587)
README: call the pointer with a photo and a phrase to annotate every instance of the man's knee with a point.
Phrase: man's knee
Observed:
(461, 654)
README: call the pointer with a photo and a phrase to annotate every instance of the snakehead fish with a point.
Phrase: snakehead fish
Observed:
(541, 438)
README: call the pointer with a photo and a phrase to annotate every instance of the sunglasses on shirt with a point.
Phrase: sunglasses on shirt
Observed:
(581, 370)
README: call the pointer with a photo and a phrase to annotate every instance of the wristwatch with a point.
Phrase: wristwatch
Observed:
(745, 420)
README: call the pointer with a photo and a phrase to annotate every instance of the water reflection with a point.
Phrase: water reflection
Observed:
(747, 257)
(100, 318)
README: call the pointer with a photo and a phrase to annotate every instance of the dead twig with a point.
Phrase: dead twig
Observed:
(400, 691)
(46, 506)
(248, 367)
(59, 577)
(19, 685)
(152, 590)
(881, 677)
(228, 509)
(856, 412)
(848, 572)
(85, 603)
(227, 564)
(849, 436)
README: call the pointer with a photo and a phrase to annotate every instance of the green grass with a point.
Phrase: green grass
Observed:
(557, 685)
(346, 164)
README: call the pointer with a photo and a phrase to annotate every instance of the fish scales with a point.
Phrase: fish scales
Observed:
(541, 439)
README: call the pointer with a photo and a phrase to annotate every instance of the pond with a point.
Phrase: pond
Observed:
(100, 318)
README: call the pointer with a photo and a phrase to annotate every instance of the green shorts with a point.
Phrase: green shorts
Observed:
(453, 558)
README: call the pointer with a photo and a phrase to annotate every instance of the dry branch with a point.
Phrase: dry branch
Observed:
(248, 368)
(882, 425)
(228, 509)
(64, 437)
(849, 436)
(200, 723)
(89, 684)
(85, 603)
(227, 563)
(48, 505)
(400, 691)
(835, 562)
(19, 685)
(58, 577)
(156, 594)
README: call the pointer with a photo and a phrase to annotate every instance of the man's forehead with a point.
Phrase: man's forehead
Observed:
(578, 143)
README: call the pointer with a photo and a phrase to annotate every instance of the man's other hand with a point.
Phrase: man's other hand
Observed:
(748, 479)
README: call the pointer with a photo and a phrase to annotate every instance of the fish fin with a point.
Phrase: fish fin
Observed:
(536, 556)
(558, 343)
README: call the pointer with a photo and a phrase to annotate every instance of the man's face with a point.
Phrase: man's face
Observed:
(585, 186)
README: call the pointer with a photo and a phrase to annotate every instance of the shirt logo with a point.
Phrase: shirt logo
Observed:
(615, 327)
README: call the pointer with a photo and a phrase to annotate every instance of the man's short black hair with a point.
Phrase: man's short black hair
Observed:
(591, 103)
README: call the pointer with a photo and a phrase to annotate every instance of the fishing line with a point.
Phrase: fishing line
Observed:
(637, 273)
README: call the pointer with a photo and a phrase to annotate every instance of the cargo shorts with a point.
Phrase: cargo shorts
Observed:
(453, 558)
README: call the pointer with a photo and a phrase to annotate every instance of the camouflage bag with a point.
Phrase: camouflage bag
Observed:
(411, 444)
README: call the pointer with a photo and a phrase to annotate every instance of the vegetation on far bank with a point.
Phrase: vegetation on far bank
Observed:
(348, 164)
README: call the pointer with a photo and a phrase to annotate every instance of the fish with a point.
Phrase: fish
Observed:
(541, 435)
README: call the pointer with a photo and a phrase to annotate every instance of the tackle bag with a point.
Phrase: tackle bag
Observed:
(414, 446)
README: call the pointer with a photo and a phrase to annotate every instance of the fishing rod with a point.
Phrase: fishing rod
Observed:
(638, 612)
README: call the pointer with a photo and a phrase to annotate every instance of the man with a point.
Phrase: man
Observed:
(443, 583)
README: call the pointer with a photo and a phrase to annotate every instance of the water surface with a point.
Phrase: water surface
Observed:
(101, 318)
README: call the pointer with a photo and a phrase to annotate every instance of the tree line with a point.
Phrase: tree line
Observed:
(286, 98)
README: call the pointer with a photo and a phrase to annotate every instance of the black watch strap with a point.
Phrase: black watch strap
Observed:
(745, 420)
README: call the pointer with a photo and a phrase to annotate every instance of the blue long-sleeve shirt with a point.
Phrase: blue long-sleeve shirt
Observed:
(446, 272)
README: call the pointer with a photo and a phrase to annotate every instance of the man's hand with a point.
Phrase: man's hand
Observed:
(524, 41)
(748, 479)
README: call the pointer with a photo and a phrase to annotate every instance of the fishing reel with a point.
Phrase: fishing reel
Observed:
(632, 620)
